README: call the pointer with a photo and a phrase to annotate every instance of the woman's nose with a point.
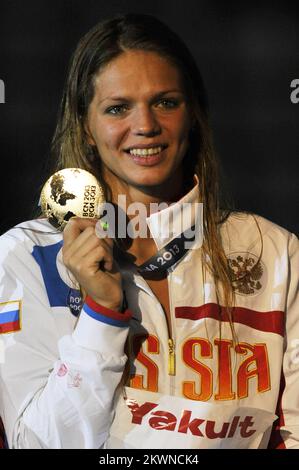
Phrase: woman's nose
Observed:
(145, 123)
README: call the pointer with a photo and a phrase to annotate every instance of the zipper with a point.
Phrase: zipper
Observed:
(171, 339)
(171, 342)
(171, 357)
(171, 345)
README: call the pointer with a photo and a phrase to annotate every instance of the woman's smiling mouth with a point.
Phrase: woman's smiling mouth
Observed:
(147, 156)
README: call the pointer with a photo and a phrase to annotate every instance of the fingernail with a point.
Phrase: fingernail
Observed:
(101, 229)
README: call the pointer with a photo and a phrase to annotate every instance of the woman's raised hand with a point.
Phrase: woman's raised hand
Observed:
(90, 260)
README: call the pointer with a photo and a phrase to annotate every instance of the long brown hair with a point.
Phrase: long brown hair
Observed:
(70, 147)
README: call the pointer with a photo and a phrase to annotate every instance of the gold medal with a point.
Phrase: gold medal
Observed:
(71, 192)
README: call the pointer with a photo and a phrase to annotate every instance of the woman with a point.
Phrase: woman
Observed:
(211, 341)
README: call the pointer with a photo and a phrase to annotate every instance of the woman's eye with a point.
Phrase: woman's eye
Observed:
(168, 103)
(117, 109)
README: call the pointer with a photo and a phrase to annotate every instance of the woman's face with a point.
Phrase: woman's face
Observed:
(139, 121)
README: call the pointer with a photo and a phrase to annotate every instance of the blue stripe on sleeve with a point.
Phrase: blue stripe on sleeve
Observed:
(104, 318)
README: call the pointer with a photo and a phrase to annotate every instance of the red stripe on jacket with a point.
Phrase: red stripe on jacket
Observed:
(270, 322)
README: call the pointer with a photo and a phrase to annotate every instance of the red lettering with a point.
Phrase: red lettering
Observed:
(206, 375)
(210, 430)
(152, 369)
(193, 425)
(138, 412)
(246, 424)
(259, 359)
(224, 370)
(163, 420)
(233, 426)
(197, 351)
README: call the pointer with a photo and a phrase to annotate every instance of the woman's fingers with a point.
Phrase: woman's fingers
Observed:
(74, 227)
(80, 239)
(97, 258)
(90, 259)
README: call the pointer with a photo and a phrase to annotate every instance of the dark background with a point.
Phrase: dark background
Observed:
(248, 55)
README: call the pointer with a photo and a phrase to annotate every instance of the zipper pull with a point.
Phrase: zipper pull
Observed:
(171, 357)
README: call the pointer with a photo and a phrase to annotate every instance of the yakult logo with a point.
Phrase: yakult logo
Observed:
(187, 423)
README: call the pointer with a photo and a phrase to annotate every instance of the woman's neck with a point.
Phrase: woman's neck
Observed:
(172, 190)
(168, 192)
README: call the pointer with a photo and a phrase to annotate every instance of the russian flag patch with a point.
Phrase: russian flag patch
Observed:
(10, 316)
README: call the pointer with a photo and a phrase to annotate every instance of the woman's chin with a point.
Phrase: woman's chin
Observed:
(149, 181)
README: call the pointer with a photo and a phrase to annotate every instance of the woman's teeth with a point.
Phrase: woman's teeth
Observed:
(146, 152)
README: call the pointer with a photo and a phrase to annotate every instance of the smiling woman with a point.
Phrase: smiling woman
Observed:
(199, 353)
(142, 138)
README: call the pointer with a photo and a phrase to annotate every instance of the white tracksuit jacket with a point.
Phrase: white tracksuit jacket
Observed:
(61, 375)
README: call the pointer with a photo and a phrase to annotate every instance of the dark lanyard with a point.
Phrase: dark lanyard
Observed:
(159, 264)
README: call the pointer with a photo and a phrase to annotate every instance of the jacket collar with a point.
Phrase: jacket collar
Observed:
(170, 222)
